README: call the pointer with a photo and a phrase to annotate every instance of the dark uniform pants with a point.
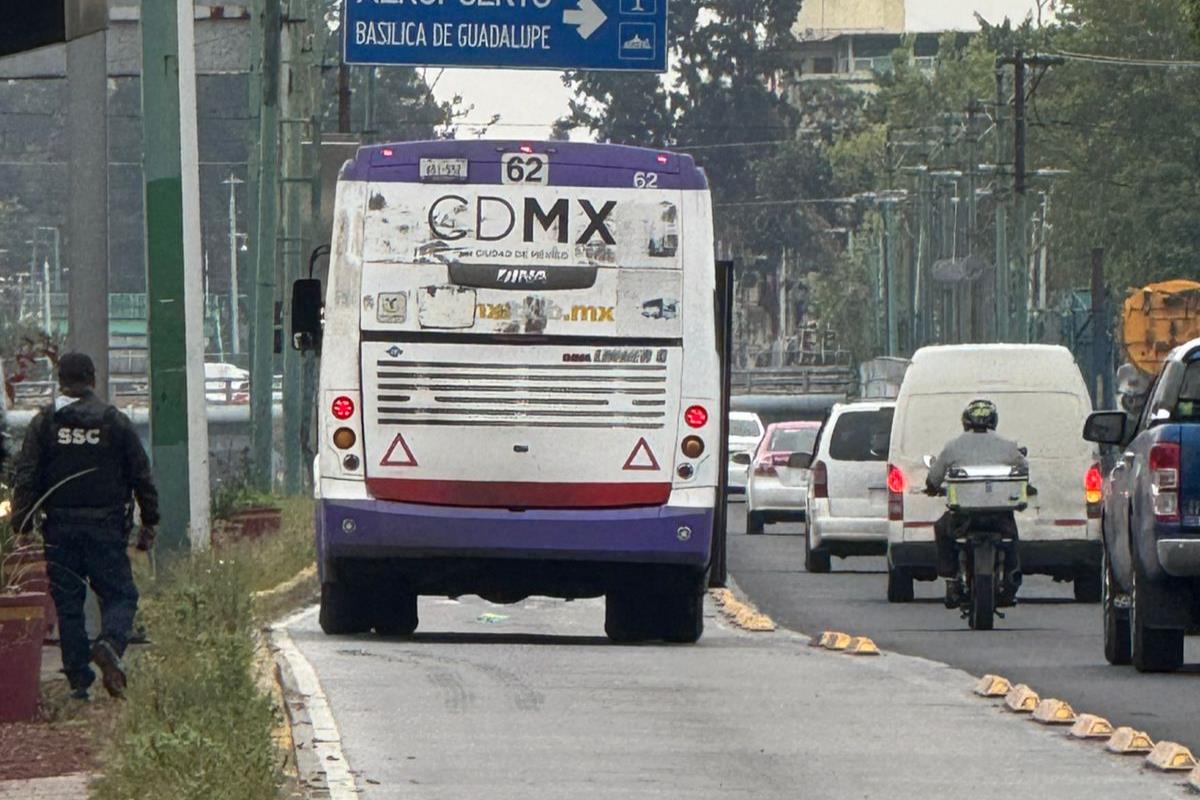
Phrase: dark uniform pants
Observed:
(947, 546)
(78, 555)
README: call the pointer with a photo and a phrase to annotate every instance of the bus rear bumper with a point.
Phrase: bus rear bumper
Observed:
(373, 529)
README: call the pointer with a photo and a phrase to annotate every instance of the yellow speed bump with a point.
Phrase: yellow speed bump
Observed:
(1127, 741)
(741, 614)
(1021, 699)
(993, 686)
(862, 646)
(1089, 726)
(1171, 756)
(833, 640)
(1054, 712)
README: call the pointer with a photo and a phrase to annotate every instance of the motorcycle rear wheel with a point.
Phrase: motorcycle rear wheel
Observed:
(981, 616)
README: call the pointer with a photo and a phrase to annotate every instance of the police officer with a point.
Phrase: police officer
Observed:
(81, 465)
(979, 445)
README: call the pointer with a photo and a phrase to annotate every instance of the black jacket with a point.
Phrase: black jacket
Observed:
(87, 460)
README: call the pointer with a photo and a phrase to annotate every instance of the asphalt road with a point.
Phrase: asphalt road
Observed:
(529, 701)
(1048, 641)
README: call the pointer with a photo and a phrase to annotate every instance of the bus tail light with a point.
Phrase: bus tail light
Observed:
(1164, 481)
(896, 483)
(819, 480)
(1093, 490)
(344, 438)
(342, 408)
(692, 446)
(696, 416)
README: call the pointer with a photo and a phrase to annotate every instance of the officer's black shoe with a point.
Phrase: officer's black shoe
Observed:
(81, 694)
(111, 668)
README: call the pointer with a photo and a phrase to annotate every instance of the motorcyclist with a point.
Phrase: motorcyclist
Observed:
(979, 445)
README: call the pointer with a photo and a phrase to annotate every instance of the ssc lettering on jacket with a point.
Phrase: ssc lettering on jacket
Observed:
(73, 436)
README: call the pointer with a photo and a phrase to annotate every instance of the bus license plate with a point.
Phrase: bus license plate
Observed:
(443, 170)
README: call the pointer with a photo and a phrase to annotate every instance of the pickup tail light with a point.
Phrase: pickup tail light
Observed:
(1093, 490)
(896, 483)
(820, 480)
(1164, 481)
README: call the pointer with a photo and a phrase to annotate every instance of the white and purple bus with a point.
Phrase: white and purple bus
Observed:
(520, 383)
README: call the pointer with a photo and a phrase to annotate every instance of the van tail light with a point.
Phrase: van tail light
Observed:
(1093, 490)
(820, 480)
(1164, 481)
(896, 483)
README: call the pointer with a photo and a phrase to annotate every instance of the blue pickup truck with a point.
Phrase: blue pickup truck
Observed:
(1151, 519)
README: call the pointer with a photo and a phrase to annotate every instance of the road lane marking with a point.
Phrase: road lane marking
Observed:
(326, 739)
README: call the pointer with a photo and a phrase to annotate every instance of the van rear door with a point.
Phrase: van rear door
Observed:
(857, 468)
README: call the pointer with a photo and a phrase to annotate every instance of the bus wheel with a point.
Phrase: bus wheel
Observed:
(342, 610)
(754, 523)
(682, 618)
(397, 616)
(629, 616)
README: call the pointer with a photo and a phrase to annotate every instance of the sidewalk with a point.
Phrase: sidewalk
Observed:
(64, 787)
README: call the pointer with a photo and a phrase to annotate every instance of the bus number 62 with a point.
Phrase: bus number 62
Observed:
(517, 168)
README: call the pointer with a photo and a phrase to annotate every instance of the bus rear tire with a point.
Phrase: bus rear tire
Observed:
(397, 616)
(682, 617)
(754, 523)
(343, 610)
(628, 616)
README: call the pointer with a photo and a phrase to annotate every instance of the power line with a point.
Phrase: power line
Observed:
(1096, 58)
(821, 200)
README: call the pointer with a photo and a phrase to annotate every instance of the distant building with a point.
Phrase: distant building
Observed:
(851, 15)
(852, 41)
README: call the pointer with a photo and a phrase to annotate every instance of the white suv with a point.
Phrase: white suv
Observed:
(847, 490)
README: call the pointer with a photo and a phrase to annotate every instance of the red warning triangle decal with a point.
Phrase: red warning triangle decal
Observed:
(398, 443)
(641, 458)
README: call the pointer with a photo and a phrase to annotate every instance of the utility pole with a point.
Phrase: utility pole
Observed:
(178, 421)
(87, 207)
(1101, 346)
(1020, 62)
(233, 181)
(1002, 306)
(974, 109)
(266, 231)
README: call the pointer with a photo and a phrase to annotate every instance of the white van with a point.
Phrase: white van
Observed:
(847, 493)
(1042, 402)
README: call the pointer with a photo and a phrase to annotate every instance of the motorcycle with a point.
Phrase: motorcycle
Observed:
(982, 501)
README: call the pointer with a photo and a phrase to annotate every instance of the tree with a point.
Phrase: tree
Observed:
(725, 58)
(1128, 134)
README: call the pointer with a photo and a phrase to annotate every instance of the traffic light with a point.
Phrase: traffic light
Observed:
(29, 24)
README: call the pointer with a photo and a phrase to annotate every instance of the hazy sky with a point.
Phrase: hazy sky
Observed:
(529, 101)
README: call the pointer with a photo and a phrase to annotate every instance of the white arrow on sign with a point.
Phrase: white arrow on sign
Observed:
(586, 19)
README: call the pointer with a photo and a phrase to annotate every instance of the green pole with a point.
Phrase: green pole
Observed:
(166, 329)
(1002, 266)
(263, 320)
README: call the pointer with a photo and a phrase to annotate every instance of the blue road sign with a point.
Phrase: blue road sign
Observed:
(532, 34)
